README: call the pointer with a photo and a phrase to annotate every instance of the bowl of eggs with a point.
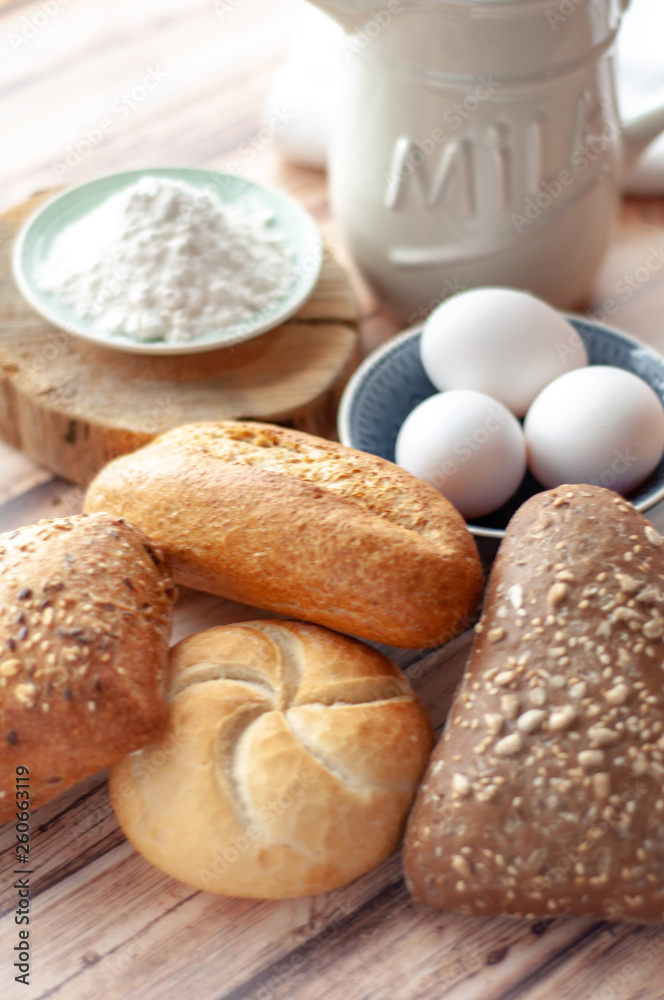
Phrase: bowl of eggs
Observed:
(498, 396)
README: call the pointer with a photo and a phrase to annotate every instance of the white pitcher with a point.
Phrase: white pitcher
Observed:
(477, 142)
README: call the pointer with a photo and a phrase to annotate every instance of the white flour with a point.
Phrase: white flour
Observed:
(166, 261)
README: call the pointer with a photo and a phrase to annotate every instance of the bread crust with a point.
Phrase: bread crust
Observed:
(306, 527)
(290, 761)
(544, 795)
(85, 617)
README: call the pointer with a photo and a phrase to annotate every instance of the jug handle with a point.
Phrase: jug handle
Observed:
(639, 133)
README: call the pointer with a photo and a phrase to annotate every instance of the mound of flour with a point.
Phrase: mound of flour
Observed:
(165, 261)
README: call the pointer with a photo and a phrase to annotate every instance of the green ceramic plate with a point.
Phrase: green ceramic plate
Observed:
(288, 218)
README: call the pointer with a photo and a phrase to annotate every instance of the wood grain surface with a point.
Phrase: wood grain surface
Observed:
(105, 925)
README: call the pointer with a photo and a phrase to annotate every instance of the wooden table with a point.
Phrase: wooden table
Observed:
(105, 924)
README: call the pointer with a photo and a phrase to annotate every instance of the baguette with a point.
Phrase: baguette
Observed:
(85, 616)
(305, 527)
(544, 796)
(290, 761)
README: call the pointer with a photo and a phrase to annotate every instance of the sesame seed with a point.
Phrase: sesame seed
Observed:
(628, 584)
(10, 667)
(511, 744)
(653, 536)
(653, 629)
(25, 693)
(557, 594)
(504, 678)
(510, 704)
(496, 634)
(650, 595)
(591, 758)
(515, 595)
(600, 736)
(561, 718)
(530, 721)
(617, 695)
(625, 614)
(461, 785)
(494, 722)
(461, 866)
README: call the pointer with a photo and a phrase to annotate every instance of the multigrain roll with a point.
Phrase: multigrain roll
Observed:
(85, 617)
(545, 795)
(302, 526)
(290, 761)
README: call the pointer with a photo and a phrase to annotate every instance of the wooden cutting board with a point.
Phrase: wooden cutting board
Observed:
(72, 406)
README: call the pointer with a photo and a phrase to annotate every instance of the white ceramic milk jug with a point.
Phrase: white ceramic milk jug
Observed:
(478, 142)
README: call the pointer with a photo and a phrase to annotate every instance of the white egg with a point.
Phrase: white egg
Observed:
(598, 425)
(467, 445)
(505, 343)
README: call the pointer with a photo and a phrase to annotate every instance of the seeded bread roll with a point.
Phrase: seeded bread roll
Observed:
(302, 526)
(290, 761)
(85, 617)
(545, 794)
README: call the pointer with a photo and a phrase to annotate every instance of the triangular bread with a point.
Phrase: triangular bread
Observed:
(546, 793)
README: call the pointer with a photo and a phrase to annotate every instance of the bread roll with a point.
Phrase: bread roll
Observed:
(85, 616)
(289, 765)
(545, 795)
(305, 527)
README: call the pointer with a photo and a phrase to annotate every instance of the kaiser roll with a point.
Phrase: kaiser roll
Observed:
(289, 764)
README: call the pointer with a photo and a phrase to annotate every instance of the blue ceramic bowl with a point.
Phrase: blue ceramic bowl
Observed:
(391, 382)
